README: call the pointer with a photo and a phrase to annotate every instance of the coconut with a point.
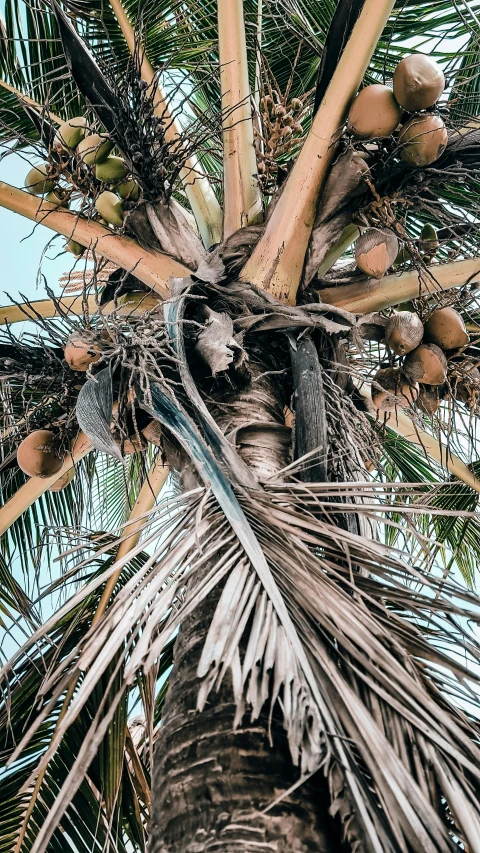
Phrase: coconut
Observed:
(426, 364)
(70, 133)
(375, 251)
(296, 104)
(446, 328)
(153, 433)
(395, 392)
(374, 113)
(129, 189)
(423, 139)
(418, 82)
(75, 248)
(37, 454)
(404, 332)
(58, 200)
(133, 304)
(110, 208)
(428, 400)
(467, 389)
(63, 481)
(80, 352)
(428, 243)
(94, 148)
(111, 169)
(37, 182)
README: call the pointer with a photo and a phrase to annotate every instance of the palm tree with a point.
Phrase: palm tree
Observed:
(257, 479)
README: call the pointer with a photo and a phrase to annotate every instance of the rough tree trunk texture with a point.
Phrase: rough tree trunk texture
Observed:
(211, 783)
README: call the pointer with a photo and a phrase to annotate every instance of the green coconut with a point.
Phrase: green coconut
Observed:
(418, 82)
(375, 251)
(395, 390)
(94, 148)
(37, 181)
(110, 208)
(374, 113)
(70, 133)
(129, 189)
(75, 248)
(404, 332)
(58, 200)
(111, 169)
(423, 139)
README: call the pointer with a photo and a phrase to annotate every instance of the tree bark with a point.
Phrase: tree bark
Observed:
(211, 783)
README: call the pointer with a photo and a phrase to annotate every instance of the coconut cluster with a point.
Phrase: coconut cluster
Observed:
(428, 350)
(84, 159)
(281, 127)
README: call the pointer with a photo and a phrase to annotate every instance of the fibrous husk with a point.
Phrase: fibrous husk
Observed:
(395, 391)
(426, 364)
(111, 169)
(175, 234)
(346, 180)
(375, 113)
(63, 481)
(110, 208)
(375, 251)
(404, 332)
(94, 149)
(423, 139)
(81, 351)
(70, 133)
(418, 82)
(445, 327)
(428, 400)
(217, 345)
(153, 433)
(37, 454)
(37, 182)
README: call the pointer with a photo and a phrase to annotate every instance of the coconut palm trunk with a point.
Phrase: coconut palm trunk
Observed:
(272, 650)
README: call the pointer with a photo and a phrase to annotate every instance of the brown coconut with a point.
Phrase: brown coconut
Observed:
(418, 82)
(403, 332)
(375, 251)
(153, 433)
(428, 400)
(468, 389)
(374, 113)
(426, 364)
(37, 454)
(395, 392)
(423, 139)
(63, 481)
(446, 328)
(80, 352)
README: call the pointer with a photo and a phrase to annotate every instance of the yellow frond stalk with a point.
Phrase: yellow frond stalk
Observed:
(46, 308)
(242, 199)
(134, 526)
(202, 199)
(31, 103)
(276, 264)
(37, 486)
(373, 295)
(152, 268)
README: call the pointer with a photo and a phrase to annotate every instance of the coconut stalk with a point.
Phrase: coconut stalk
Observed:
(202, 199)
(372, 295)
(134, 526)
(36, 486)
(241, 192)
(276, 264)
(152, 268)
(30, 102)
(47, 308)
(400, 423)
